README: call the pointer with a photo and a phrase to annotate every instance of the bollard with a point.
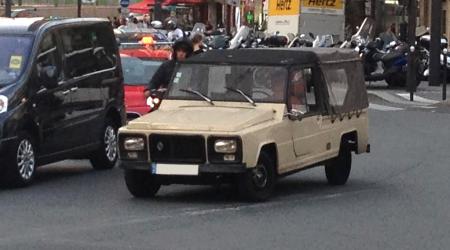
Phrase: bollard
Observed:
(444, 82)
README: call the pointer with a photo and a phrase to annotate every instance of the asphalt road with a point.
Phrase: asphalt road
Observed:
(398, 197)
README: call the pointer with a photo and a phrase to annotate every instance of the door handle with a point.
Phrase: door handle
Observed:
(66, 92)
(74, 89)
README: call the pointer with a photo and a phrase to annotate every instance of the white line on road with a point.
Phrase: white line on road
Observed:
(383, 108)
(417, 98)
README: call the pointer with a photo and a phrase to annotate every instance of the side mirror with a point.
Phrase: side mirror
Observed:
(47, 76)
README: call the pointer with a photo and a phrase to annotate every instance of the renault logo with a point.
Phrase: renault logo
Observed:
(160, 146)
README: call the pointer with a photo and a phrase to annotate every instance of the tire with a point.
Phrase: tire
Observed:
(257, 184)
(20, 162)
(338, 170)
(105, 157)
(396, 80)
(141, 184)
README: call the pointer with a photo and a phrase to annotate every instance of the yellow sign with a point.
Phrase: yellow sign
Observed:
(15, 62)
(323, 6)
(284, 7)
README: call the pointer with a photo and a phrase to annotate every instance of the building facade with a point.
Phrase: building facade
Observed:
(425, 15)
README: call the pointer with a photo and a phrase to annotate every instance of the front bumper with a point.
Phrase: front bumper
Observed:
(203, 168)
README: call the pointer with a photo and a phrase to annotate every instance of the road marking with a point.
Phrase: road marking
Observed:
(417, 98)
(383, 108)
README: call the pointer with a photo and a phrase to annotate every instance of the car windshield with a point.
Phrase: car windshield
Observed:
(13, 57)
(230, 82)
(139, 71)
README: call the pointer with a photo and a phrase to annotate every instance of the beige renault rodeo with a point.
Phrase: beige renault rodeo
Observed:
(249, 117)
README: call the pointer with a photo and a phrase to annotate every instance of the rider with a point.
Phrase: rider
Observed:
(175, 32)
(182, 49)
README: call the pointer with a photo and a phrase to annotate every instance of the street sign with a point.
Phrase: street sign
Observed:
(124, 3)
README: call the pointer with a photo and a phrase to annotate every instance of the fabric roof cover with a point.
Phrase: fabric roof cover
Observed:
(276, 56)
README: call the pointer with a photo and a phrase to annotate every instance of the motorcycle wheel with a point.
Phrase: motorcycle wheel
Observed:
(396, 80)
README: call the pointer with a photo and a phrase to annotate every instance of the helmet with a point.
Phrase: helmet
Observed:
(171, 25)
(183, 44)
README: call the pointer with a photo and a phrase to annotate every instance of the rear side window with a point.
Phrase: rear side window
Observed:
(88, 49)
(345, 86)
(337, 86)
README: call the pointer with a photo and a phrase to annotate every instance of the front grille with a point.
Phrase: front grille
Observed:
(177, 148)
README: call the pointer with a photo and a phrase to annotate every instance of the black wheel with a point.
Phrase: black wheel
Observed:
(338, 170)
(105, 156)
(21, 162)
(141, 184)
(258, 183)
(396, 80)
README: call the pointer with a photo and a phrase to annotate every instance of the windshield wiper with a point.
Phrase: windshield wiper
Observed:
(195, 92)
(247, 97)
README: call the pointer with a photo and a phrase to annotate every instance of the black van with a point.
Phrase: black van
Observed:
(61, 94)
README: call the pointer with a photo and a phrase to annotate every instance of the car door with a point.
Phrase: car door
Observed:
(85, 76)
(51, 105)
(310, 135)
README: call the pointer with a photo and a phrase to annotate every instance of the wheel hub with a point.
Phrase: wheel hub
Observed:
(25, 159)
(110, 143)
(260, 176)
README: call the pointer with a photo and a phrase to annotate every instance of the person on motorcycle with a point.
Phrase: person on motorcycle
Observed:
(182, 49)
(175, 32)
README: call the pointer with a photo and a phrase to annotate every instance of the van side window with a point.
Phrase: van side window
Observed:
(302, 96)
(48, 54)
(104, 47)
(88, 50)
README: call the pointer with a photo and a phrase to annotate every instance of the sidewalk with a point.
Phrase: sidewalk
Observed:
(425, 95)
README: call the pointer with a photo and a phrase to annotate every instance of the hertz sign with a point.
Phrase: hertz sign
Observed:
(323, 6)
(284, 7)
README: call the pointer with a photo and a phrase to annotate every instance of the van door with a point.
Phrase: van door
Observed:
(82, 50)
(311, 132)
(51, 105)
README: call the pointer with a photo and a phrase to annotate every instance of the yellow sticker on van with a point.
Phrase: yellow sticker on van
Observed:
(15, 62)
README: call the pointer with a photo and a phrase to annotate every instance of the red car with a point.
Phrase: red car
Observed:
(139, 64)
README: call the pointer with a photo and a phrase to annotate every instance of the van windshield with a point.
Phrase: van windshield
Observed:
(265, 84)
(14, 54)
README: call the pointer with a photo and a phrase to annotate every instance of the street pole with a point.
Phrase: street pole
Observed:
(79, 8)
(8, 4)
(444, 82)
(412, 76)
(435, 46)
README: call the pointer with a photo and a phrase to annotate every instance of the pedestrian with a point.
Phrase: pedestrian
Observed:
(197, 44)
(182, 49)
(115, 22)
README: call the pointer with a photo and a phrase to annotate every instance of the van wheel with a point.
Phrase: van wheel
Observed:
(338, 170)
(141, 184)
(257, 184)
(21, 162)
(106, 156)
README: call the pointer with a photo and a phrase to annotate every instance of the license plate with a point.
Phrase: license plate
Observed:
(174, 169)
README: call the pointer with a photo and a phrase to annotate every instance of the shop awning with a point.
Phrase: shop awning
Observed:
(141, 7)
(175, 2)
(144, 6)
